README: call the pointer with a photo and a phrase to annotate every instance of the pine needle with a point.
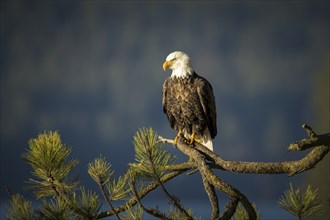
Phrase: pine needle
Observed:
(100, 171)
(51, 166)
(241, 214)
(87, 204)
(135, 212)
(301, 205)
(20, 209)
(118, 189)
(151, 158)
(55, 210)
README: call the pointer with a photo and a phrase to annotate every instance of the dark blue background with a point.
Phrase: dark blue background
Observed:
(93, 71)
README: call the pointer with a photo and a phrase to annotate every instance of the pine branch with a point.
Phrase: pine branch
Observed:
(118, 189)
(105, 196)
(150, 211)
(151, 158)
(230, 209)
(320, 142)
(290, 167)
(49, 160)
(301, 205)
(100, 171)
(145, 191)
(175, 201)
(152, 162)
(321, 148)
(135, 213)
(62, 195)
(314, 140)
(212, 197)
(20, 209)
(241, 214)
(55, 210)
(86, 205)
(204, 169)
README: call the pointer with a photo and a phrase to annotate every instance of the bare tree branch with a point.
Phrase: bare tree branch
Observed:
(172, 199)
(290, 167)
(319, 143)
(229, 209)
(212, 197)
(313, 141)
(204, 169)
(309, 131)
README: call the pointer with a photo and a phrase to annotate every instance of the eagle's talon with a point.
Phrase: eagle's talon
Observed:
(177, 137)
(192, 138)
(191, 141)
(175, 140)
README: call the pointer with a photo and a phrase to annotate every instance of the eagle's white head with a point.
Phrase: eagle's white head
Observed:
(179, 63)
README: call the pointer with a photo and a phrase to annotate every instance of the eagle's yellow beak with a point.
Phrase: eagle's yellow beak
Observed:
(167, 64)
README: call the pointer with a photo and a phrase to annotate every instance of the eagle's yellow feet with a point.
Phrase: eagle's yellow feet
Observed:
(193, 139)
(177, 137)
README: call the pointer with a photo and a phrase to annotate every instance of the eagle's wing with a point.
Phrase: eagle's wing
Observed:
(167, 106)
(164, 92)
(207, 99)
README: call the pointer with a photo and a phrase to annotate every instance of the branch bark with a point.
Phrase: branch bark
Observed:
(107, 199)
(211, 193)
(319, 143)
(199, 154)
(230, 209)
(206, 172)
(314, 140)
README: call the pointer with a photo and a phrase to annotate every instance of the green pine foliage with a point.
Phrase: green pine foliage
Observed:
(151, 158)
(20, 209)
(301, 204)
(49, 160)
(135, 212)
(62, 199)
(118, 189)
(135, 180)
(55, 210)
(175, 214)
(87, 205)
(100, 170)
(241, 214)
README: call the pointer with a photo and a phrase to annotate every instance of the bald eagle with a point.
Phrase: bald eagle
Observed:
(188, 101)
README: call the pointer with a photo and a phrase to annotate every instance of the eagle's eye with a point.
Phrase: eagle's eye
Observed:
(173, 59)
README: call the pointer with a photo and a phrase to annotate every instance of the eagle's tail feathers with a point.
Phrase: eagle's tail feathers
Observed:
(208, 143)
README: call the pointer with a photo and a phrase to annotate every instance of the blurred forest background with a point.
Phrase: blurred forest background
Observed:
(93, 71)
